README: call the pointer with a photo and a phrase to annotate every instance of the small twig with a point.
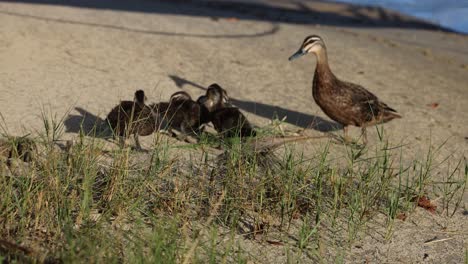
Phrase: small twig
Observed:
(435, 240)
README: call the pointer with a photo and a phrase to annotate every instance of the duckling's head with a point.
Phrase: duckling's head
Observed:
(217, 94)
(312, 44)
(140, 96)
(202, 100)
(215, 98)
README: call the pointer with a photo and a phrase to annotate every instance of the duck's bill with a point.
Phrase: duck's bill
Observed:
(296, 55)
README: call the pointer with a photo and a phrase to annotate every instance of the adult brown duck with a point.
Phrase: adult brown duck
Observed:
(346, 103)
(132, 118)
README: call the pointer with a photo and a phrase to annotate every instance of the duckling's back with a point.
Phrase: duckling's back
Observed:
(130, 113)
(230, 122)
(178, 113)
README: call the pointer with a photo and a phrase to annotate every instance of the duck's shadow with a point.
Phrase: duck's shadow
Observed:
(270, 111)
(87, 123)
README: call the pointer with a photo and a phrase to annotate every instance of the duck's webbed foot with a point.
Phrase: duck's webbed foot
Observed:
(198, 131)
(187, 135)
(178, 134)
(347, 140)
(344, 140)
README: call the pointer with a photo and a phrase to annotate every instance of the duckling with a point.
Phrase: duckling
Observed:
(346, 103)
(181, 113)
(215, 98)
(226, 119)
(230, 122)
(132, 117)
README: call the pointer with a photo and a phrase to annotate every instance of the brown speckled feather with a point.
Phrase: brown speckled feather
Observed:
(230, 122)
(132, 118)
(348, 103)
(181, 113)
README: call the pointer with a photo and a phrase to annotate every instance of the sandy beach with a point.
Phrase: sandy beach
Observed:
(79, 59)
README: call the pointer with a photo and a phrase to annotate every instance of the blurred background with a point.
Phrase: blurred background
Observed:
(452, 14)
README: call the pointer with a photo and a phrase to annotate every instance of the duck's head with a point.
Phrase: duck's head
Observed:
(215, 98)
(202, 100)
(217, 94)
(312, 44)
(140, 96)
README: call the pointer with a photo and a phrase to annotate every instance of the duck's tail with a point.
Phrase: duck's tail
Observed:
(390, 115)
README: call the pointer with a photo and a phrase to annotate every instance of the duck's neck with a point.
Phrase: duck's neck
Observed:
(140, 103)
(323, 70)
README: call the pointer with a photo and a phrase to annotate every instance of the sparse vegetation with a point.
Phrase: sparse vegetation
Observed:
(87, 203)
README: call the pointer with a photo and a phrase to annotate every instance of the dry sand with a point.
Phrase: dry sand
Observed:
(86, 57)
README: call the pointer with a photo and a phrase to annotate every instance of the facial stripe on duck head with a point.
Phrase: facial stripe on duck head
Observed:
(313, 43)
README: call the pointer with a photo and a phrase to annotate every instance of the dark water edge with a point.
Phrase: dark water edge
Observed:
(451, 14)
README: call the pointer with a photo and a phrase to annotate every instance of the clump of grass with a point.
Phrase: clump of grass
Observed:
(184, 204)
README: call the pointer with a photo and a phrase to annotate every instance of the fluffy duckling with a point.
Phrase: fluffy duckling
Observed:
(230, 122)
(132, 118)
(346, 103)
(215, 98)
(181, 113)
(227, 120)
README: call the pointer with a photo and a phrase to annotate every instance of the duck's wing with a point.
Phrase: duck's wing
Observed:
(192, 113)
(232, 123)
(120, 111)
(368, 106)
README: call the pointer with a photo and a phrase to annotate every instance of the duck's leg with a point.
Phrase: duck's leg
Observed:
(137, 141)
(172, 133)
(364, 135)
(184, 134)
(345, 135)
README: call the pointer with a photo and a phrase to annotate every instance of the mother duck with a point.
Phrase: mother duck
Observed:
(346, 103)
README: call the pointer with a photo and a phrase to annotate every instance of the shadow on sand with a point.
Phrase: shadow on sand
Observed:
(270, 111)
(87, 123)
